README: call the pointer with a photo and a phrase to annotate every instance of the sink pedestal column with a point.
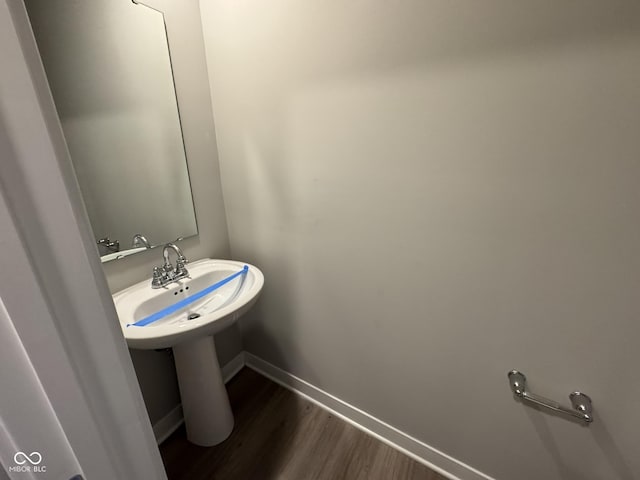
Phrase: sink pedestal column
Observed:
(205, 403)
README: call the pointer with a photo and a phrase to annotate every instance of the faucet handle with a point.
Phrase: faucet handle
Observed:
(158, 277)
(180, 268)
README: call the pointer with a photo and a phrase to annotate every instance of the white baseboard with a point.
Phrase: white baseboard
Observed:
(168, 424)
(414, 448)
(172, 421)
(232, 367)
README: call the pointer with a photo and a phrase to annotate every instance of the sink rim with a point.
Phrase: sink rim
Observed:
(163, 336)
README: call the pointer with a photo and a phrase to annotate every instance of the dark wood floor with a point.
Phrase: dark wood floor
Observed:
(279, 435)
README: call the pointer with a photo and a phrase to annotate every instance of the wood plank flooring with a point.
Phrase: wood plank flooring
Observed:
(279, 435)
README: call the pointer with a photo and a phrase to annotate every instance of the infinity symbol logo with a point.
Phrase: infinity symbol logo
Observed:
(21, 458)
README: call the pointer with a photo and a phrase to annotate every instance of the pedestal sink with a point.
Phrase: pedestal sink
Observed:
(189, 332)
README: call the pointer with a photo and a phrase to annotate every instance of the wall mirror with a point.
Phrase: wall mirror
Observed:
(109, 69)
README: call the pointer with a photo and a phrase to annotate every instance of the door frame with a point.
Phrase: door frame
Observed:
(74, 342)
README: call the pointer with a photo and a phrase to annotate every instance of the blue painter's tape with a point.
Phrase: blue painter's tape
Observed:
(183, 303)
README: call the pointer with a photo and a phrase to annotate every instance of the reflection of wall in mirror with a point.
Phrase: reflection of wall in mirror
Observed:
(109, 69)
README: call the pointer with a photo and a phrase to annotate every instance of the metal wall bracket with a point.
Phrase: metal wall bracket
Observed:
(580, 402)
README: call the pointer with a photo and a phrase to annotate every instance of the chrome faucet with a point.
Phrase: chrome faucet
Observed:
(167, 274)
(140, 240)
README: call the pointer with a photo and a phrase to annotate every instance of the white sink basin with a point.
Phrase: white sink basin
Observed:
(214, 311)
(189, 330)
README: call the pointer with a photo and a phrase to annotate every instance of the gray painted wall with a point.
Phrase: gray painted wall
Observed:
(438, 192)
(155, 370)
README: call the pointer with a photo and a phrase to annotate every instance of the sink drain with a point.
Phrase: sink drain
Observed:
(193, 316)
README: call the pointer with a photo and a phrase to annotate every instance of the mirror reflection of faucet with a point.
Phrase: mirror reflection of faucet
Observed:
(109, 245)
(140, 240)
